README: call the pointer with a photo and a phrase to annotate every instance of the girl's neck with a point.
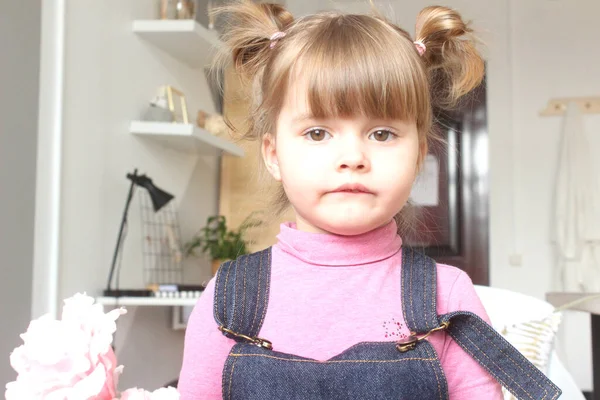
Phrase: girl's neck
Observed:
(336, 250)
(305, 226)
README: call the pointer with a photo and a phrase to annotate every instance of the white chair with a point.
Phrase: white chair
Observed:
(506, 307)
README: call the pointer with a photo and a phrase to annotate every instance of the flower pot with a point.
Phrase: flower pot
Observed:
(216, 264)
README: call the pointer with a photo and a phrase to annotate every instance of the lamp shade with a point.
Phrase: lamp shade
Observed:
(159, 197)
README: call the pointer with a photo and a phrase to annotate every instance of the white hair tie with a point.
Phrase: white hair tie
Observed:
(420, 47)
(275, 37)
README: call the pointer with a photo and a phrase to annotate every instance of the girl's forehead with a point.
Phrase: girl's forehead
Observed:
(304, 100)
(296, 96)
(296, 110)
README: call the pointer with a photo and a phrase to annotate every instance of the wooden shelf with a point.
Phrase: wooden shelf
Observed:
(185, 137)
(146, 301)
(185, 40)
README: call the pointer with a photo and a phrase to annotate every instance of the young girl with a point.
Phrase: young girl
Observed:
(338, 309)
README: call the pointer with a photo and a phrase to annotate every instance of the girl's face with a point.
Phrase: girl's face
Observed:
(343, 176)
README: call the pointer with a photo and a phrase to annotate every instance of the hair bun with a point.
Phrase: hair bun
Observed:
(454, 63)
(248, 29)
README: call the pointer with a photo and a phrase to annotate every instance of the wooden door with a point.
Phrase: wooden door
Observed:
(455, 230)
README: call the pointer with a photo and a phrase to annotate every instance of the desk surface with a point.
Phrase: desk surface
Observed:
(146, 301)
(591, 306)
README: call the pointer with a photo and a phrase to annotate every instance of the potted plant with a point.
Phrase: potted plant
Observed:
(220, 243)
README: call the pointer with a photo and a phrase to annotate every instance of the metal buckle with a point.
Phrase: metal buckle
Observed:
(264, 343)
(411, 342)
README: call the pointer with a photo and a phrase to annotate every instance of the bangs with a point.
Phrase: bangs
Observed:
(349, 72)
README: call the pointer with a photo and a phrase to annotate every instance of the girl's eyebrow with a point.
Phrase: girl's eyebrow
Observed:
(397, 124)
(302, 117)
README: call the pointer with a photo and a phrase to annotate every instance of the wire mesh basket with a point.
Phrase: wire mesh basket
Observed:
(162, 250)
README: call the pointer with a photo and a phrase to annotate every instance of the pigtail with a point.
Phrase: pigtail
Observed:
(249, 27)
(455, 66)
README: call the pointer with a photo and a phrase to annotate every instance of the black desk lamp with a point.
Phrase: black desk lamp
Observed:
(159, 199)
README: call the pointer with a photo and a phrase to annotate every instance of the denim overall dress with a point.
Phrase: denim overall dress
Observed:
(407, 370)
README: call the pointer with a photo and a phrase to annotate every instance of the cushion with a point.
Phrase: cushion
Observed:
(535, 340)
(527, 323)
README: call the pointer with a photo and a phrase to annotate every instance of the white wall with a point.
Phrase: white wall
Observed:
(19, 71)
(536, 50)
(555, 54)
(109, 77)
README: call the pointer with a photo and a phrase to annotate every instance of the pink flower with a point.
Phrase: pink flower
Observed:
(159, 394)
(71, 358)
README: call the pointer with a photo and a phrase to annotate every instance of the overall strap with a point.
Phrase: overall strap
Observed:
(418, 286)
(501, 359)
(475, 336)
(242, 295)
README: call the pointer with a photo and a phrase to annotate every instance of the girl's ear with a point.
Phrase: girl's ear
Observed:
(269, 154)
(423, 148)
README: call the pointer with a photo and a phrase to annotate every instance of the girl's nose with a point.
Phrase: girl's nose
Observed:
(353, 157)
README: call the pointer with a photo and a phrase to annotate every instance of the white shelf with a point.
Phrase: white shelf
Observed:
(185, 40)
(185, 137)
(146, 301)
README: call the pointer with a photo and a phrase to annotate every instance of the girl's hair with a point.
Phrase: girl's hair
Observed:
(353, 64)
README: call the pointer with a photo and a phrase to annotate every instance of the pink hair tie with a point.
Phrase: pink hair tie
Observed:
(275, 37)
(420, 47)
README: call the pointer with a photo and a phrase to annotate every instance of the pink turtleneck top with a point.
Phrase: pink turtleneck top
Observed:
(327, 293)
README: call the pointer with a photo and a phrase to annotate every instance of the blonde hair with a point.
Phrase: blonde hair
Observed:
(353, 64)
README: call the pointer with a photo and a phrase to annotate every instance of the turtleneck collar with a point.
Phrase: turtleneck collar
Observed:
(337, 250)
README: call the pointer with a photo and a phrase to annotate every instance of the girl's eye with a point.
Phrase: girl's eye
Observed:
(317, 135)
(382, 135)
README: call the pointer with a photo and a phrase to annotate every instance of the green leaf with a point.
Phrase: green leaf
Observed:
(218, 242)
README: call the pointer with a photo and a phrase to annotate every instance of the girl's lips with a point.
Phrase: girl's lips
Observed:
(352, 188)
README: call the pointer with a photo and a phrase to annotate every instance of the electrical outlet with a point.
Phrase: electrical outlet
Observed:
(515, 260)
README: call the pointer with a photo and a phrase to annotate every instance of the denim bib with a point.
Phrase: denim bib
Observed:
(405, 370)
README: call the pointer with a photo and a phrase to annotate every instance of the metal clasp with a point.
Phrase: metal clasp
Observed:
(264, 343)
(411, 342)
